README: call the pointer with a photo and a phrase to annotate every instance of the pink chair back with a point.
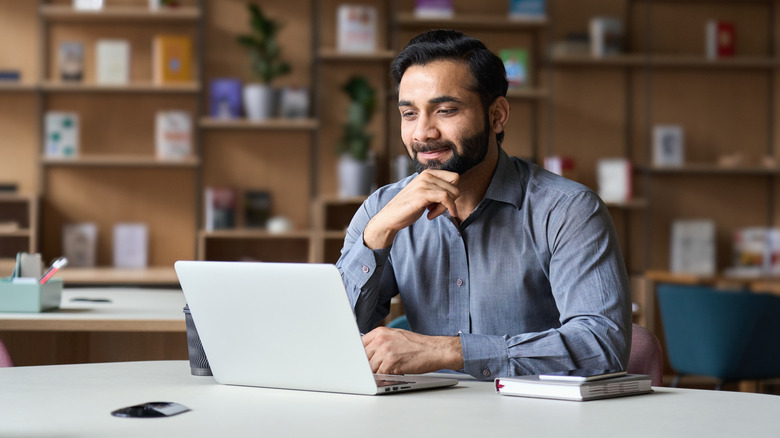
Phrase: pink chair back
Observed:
(5, 357)
(646, 355)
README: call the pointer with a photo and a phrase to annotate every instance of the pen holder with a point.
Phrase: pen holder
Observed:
(27, 295)
(199, 363)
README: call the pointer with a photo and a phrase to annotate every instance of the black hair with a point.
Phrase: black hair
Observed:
(443, 44)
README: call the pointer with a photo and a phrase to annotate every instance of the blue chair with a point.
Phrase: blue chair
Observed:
(727, 335)
(400, 323)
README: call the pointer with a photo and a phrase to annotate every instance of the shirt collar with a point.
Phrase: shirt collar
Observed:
(504, 184)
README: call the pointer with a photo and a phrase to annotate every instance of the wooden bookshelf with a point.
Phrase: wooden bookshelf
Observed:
(329, 54)
(120, 161)
(134, 87)
(472, 21)
(277, 124)
(118, 13)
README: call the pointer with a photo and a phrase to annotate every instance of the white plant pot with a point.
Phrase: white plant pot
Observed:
(355, 177)
(259, 101)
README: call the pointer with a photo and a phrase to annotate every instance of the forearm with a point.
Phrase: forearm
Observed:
(577, 344)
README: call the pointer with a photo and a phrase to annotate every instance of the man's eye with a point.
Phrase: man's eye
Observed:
(407, 114)
(447, 111)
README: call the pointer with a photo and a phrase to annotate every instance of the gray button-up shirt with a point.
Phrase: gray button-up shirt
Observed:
(532, 281)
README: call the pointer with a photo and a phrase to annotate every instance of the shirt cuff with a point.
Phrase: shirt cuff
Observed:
(484, 356)
(364, 262)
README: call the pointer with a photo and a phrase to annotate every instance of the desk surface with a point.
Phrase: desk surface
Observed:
(76, 400)
(128, 310)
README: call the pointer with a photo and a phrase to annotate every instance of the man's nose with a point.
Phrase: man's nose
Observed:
(425, 129)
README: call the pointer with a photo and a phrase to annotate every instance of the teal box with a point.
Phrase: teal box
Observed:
(27, 295)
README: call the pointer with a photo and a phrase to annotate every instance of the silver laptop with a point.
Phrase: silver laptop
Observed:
(283, 325)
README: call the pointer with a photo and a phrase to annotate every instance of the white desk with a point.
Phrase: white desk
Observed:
(135, 324)
(76, 400)
(127, 310)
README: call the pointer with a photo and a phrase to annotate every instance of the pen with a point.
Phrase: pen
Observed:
(55, 266)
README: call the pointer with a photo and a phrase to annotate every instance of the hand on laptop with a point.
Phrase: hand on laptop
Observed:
(396, 351)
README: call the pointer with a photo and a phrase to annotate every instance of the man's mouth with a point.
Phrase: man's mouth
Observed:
(431, 151)
(433, 154)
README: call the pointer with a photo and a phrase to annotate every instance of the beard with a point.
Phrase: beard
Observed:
(474, 149)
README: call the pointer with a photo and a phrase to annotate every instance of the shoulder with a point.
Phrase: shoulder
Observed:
(547, 187)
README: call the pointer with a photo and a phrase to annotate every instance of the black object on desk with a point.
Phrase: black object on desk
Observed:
(151, 410)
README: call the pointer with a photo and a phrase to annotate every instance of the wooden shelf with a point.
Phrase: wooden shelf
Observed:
(248, 233)
(272, 124)
(119, 161)
(627, 60)
(155, 275)
(134, 87)
(489, 22)
(527, 93)
(634, 204)
(17, 87)
(715, 169)
(119, 13)
(21, 232)
(331, 54)
(665, 61)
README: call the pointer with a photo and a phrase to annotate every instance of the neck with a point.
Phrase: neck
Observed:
(474, 183)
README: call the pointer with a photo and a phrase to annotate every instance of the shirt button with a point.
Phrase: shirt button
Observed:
(366, 269)
(459, 282)
(486, 372)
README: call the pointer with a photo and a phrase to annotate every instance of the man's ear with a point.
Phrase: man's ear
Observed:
(499, 114)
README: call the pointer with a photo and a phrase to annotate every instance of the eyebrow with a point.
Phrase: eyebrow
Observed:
(434, 101)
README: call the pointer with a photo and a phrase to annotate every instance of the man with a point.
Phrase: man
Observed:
(503, 268)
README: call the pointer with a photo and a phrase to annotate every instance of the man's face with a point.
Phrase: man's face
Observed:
(443, 125)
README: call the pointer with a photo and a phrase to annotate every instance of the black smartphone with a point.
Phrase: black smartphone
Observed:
(582, 375)
(151, 410)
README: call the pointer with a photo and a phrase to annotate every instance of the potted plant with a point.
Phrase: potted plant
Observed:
(355, 167)
(265, 62)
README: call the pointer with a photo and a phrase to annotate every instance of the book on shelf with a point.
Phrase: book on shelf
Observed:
(294, 102)
(62, 134)
(720, 37)
(693, 247)
(8, 75)
(173, 135)
(112, 61)
(516, 64)
(79, 244)
(88, 5)
(606, 36)
(434, 9)
(225, 98)
(131, 245)
(527, 9)
(155, 5)
(572, 44)
(257, 208)
(71, 61)
(533, 386)
(220, 208)
(756, 251)
(172, 59)
(668, 145)
(356, 28)
(563, 166)
(615, 179)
